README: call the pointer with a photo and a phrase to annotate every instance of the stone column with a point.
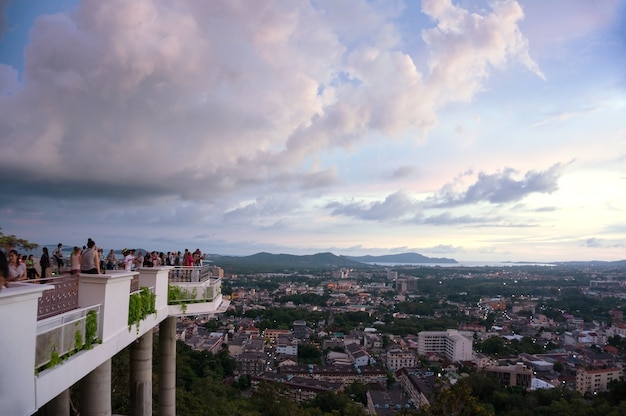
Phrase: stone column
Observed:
(167, 367)
(60, 405)
(141, 376)
(95, 391)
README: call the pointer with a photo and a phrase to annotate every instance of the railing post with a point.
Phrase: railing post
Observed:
(18, 326)
(112, 291)
(156, 277)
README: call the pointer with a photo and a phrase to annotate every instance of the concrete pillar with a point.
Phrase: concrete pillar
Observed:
(167, 367)
(60, 405)
(95, 391)
(141, 376)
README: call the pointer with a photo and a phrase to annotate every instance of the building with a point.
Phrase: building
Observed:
(251, 362)
(397, 359)
(358, 355)
(593, 381)
(391, 275)
(406, 284)
(300, 389)
(299, 329)
(287, 345)
(451, 343)
(417, 386)
(511, 375)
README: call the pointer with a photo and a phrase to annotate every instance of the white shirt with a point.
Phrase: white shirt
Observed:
(128, 262)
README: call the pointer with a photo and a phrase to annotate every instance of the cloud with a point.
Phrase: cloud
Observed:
(447, 218)
(501, 187)
(195, 101)
(400, 172)
(394, 207)
(594, 242)
(465, 46)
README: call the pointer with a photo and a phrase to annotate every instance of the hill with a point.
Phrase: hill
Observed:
(280, 263)
(402, 258)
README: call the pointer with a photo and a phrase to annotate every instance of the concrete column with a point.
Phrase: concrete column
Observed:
(141, 376)
(95, 391)
(167, 367)
(60, 405)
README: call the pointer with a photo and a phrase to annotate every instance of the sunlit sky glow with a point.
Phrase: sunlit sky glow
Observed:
(481, 131)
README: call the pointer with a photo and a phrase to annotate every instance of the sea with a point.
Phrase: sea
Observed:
(465, 264)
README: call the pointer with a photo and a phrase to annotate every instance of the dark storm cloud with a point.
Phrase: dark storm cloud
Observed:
(502, 187)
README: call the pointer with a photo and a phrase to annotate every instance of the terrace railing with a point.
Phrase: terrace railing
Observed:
(65, 334)
(62, 298)
(190, 273)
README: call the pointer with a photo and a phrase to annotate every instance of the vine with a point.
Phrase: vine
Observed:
(141, 304)
(91, 328)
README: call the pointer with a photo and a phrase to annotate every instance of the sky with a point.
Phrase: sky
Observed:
(479, 131)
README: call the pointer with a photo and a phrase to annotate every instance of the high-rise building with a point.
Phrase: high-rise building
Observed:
(593, 381)
(451, 343)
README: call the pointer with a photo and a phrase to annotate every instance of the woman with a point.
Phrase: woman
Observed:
(17, 269)
(111, 260)
(75, 260)
(44, 262)
(30, 268)
(90, 259)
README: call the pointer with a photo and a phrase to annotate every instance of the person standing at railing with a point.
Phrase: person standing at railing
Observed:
(75, 260)
(44, 262)
(31, 272)
(111, 260)
(90, 259)
(57, 256)
(138, 260)
(17, 269)
(129, 260)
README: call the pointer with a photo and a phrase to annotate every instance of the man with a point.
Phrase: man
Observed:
(129, 260)
(57, 256)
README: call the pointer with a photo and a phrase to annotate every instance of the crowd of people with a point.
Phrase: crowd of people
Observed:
(89, 259)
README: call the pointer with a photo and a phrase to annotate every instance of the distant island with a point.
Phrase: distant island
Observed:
(402, 258)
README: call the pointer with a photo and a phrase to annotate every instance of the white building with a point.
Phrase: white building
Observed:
(397, 359)
(451, 343)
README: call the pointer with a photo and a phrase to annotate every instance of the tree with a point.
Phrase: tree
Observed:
(11, 241)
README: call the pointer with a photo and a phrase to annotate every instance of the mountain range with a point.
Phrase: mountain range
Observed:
(266, 262)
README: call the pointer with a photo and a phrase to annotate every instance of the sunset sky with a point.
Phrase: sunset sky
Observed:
(481, 131)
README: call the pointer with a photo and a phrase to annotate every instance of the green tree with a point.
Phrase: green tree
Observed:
(11, 241)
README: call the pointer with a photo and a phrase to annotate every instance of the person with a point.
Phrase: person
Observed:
(139, 260)
(147, 260)
(31, 272)
(57, 256)
(4, 270)
(187, 259)
(17, 269)
(101, 257)
(90, 259)
(129, 260)
(111, 260)
(44, 262)
(75, 260)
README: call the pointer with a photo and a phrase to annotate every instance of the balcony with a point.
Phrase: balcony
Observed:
(192, 290)
(65, 327)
